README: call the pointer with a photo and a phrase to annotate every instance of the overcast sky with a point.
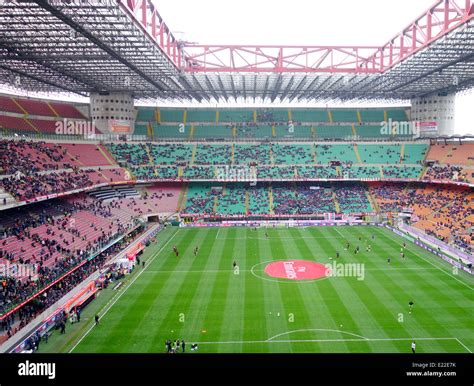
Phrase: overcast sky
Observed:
(289, 22)
(299, 22)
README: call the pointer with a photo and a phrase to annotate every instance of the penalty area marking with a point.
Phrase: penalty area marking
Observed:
(363, 339)
(119, 295)
(317, 329)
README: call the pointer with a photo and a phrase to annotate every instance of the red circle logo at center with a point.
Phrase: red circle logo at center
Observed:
(296, 270)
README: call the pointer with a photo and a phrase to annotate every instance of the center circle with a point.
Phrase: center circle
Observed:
(296, 270)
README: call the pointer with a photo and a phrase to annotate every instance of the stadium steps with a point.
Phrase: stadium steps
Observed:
(314, 155)
(157, 115)
(31, 124)
(106, 155)
(193, 156)
(185, 116)
(447, 155)
(215, 205)
(232, 158)
(272, 161)
(339, 171)
(402, 153)
(381, 171)
(247, 200)
(354, 132)
(217, 117)
(20, 106)
(180, 172)
(313, 132)
(359, 118)
(150, 157)
(52, 109)
(385, 115)
(234, 132)
(183, 197)
(290, 116)
(330, 117)
(255, 116)
(191, 132)
(149, 129)
(423, 172)
(273, 131)
(336, 202)
(372, 201)
(270, 199)
(356, 151)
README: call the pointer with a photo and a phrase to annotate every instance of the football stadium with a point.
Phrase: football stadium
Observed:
(162, 195)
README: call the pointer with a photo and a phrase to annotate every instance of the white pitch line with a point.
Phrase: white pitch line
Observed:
(436, 266)
(218, 233)
(330, 340)
(204, 271)
(249, 270)
(462, 344)
(123, 291)
(337, 230)
(317, 329)
(285, 238)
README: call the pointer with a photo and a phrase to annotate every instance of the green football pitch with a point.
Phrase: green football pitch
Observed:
(204, 300)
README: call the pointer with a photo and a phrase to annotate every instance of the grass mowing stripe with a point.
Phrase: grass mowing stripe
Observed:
(293, 306)
(234, 302)
(343, 292)
(256, 298)
(104, 312)
(450, 284)
(204, 294)
(135, 321)
(377, 308)
(342, 298)
(219, 295)
(236, 310)
(400, 297)
(177, 297)
(444, 309)
(436, 265)
(320, 290)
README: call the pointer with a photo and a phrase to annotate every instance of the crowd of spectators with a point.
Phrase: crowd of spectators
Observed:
(438, 210)
(28, 186)
(303, 200)
(445, 173)
(29, 157)
(352, 198)
(12, 291)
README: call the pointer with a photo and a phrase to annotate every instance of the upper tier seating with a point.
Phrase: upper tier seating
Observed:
(292, 154)
(245, 154)
(452, 154)
(340, 152)
(213, 154)
(7, 104)
(379, 154)
(414, 153)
